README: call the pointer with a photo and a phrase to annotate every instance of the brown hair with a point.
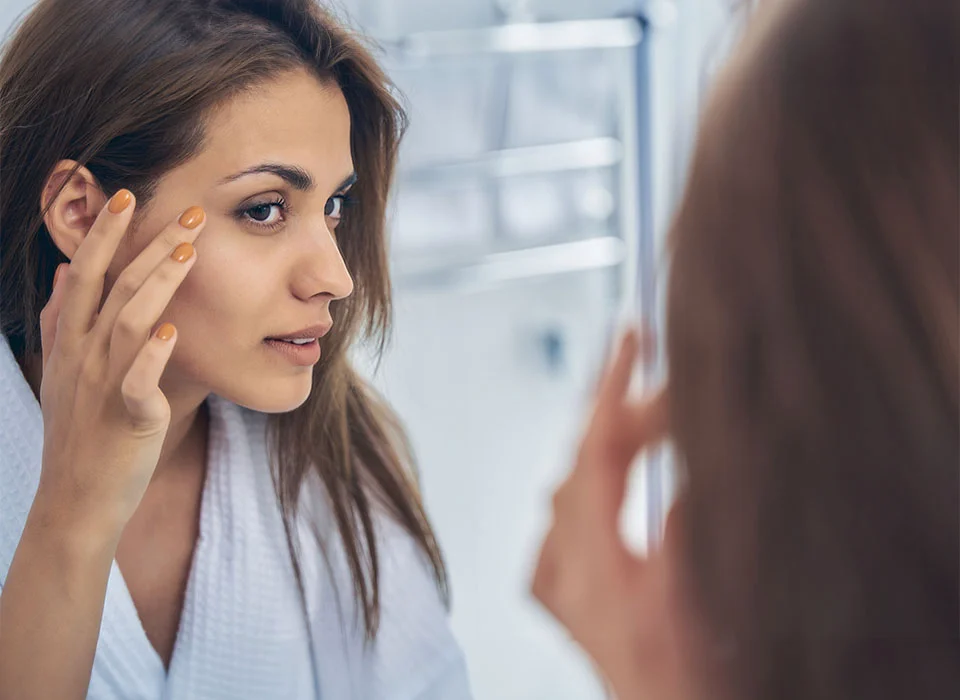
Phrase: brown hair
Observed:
(123, 87)
(813, 329)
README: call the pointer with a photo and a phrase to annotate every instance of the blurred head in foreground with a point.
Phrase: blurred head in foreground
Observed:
(813, 350)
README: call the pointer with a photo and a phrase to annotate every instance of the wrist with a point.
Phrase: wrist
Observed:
(71, 535)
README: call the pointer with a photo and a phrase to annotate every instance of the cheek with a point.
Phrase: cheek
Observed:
(222, 301)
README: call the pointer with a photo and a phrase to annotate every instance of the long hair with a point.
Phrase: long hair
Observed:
(124, 87)
(814, 351)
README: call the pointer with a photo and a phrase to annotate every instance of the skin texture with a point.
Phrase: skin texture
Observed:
(245, 282)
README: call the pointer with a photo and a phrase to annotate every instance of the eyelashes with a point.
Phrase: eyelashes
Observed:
(272, 214)
(253, 214)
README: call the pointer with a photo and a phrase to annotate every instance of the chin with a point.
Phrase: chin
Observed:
(277, 396)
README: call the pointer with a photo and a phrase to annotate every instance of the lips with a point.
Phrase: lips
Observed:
(304, 355)
(310, 333)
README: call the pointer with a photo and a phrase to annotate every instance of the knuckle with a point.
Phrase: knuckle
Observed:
(126, 286)
(170, 238)
(128, 326)
(91, 372)
(76, 274)
(134, 387)
(171, 272)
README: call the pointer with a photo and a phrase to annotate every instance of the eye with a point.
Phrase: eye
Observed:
(265, 214)
(335, 205)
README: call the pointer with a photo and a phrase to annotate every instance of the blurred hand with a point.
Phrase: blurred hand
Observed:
(614, 603)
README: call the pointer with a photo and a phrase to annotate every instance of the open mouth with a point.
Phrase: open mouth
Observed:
(308, 341)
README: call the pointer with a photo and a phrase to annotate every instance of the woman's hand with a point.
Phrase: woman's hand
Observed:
(104, 422)
(614, 603)
(105, 417)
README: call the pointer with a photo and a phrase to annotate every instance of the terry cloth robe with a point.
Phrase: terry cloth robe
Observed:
(243, 633)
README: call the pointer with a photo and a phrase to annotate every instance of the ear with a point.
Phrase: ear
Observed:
(74, 209)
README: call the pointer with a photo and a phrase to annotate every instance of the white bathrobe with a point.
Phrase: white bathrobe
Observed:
(242, 632)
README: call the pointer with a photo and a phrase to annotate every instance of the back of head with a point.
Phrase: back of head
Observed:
(814, 320)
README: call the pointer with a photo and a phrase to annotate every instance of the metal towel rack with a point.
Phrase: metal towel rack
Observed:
(623, 152)
(632, 250)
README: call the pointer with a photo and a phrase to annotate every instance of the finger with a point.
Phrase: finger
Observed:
(83, 282)
(610, 447)
(135, 321)
(601, 439)
(645, 423)
(140, 388)
(185, 229)
(616, 379)
(50, 314)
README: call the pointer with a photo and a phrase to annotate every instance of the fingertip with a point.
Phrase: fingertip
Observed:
(166, 331)
(629, 347)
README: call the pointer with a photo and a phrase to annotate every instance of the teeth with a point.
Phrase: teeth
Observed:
(294, 341)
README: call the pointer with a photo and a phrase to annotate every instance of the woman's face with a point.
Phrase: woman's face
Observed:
(271, 179)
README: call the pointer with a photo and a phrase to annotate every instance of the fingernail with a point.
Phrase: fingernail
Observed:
(192, 217)
(166, 331)
(119, 201)
(182, 252)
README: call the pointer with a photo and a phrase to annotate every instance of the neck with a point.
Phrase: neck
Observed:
(186, 437)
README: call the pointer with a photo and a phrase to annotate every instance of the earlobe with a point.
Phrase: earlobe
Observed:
(74, 209)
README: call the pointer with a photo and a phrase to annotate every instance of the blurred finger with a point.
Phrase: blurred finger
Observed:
(636, 426)
(616, 379)
(648, 420)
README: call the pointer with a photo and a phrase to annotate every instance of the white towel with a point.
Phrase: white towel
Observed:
(242, 631)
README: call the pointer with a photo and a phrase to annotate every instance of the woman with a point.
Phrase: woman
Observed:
(812, 338)
(182, 174)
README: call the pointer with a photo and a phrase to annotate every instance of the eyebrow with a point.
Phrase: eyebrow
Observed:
(295, 176)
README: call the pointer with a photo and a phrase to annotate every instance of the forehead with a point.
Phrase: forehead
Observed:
(295, 118)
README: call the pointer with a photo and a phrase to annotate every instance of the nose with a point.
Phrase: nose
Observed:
(323, 270)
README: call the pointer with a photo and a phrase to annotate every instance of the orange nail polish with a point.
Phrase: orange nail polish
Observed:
(119, 201)
(182, 252)
(192, 217)
(166, 331)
